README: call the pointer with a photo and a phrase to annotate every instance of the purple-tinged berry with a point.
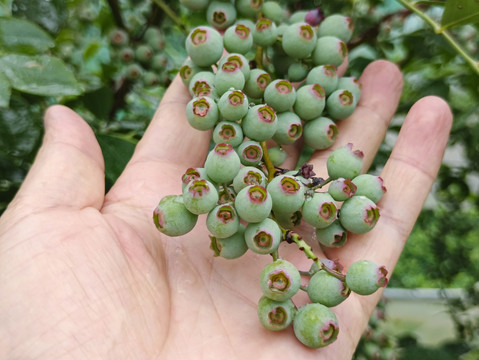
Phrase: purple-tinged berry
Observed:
(222, 164)
(233, 105)
(202, 113)
(369, 185)
(329, 50)
(332, 236)
(320, 133)
(238, 39)
(229, 133)
(280, 95)
(340, 104)
(250, 153)
(320, 210)
(253, 203)
(204, 45)
(200, 196)
(263, 237)
(280, 280)
(326, 289)
(359, 214)
(260, 123)
(287, 193)
(342, 189)
(364, 277)
(299, 40)
(232, 247)
(248, 176)
(315, 325)
(223, 221)
(220, 14)
(275, 315)
(289, 128)
(172, 218)
(310, 101)
(315, 16)
(345, 162)
(265, 32)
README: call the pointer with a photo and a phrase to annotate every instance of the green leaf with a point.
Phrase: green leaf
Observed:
(5, 91)
(117, 152)
(460, 12)
(51, 14)
(40, 75)
(18, 35)
(5, 7)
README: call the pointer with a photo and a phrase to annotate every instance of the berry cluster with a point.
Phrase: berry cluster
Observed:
(270, 77)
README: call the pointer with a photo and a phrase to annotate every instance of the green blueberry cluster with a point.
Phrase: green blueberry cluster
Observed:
(141, 60)
(258, 76)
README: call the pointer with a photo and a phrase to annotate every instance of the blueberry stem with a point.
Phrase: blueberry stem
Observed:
(259, 57)
(267, 160)
(171, 14)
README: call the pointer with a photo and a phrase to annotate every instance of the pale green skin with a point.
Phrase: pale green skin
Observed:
(308, 104)
(200, 204)
(278, 101)
(336, 25)
(222, 168)
(364, 277)
(205, 76)
(285, 120)
(231, 247)
(286, 201)
(370, 186)
(219, 229)
(249, 211)
(267, 306)
(310, 322)
(277, 155)
(328, 79)
(207, 53)
(268, 226)
(297, 72)
(352, 84)
(255, 128)
(244, 67)
(272, 10)
(333, 235)
(234, 44)
(280, 266)
(338, 109)
(175, 219)
(232, 112)
(312, 208)
(245, 9)
(341, 189)
(329, 50)
(228, 9)
(239, 181)
(235, 140)
(206, 122)
(354, 213)
(343, 162)
(243, 159)
(224, 80)
(251, 87)
(326, 289)
(294, 44)
(266, 37)
(320, 133)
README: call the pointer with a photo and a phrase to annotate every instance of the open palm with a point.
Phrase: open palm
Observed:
(88, 276)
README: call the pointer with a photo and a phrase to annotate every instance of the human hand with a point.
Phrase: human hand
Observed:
(87, 275)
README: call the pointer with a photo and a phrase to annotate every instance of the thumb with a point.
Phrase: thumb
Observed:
(68, 169)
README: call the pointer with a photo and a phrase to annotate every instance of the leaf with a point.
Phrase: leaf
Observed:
(5, 91)
(117, 152)
(40, 75)
(18, 35)
(51, 14)
(460, 12)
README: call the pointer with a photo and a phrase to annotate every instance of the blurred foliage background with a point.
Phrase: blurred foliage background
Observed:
(94, 56)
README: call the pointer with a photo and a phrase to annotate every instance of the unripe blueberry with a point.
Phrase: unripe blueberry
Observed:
(314, 17)
(119, 37)
(249, 8)
(340, 104)
(320, 210)
(351, 84)
(287, 193)
(232, 247)
(364, 277)
(369, 185)
(297, 71)
(324, 288)
(275, 315)
(337, 25)
(280, 280)
(289, 128)
(299, 40)
(238, 39)
(263, 237)
(200, 196)
(288, 220)
(223, 221)
(144, 53)
(247, 176)
(260, 123)
(226, 194)
(298, 16)
(204, 45)
(233, 105)
(329, 50)
(265, 32)
(187, 70)
(253, 203)
(228, 76)
(192, 174)
(332, 236)
(344, 162)
(240, 61)
(202, 84)
(250, 153)
(222, 163)
(310, 101)
(172, 218)
(359, 214)
(315, 325)
(150, 78)
(342, 189)
(220, 14)
(228, 132)
(320, 133)
(277, 155)
(127, 55)
(154, 38)
(256, 83)
(325, 75)
(202, 113)
(273, 10)
(134, 72)
(280, 95)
